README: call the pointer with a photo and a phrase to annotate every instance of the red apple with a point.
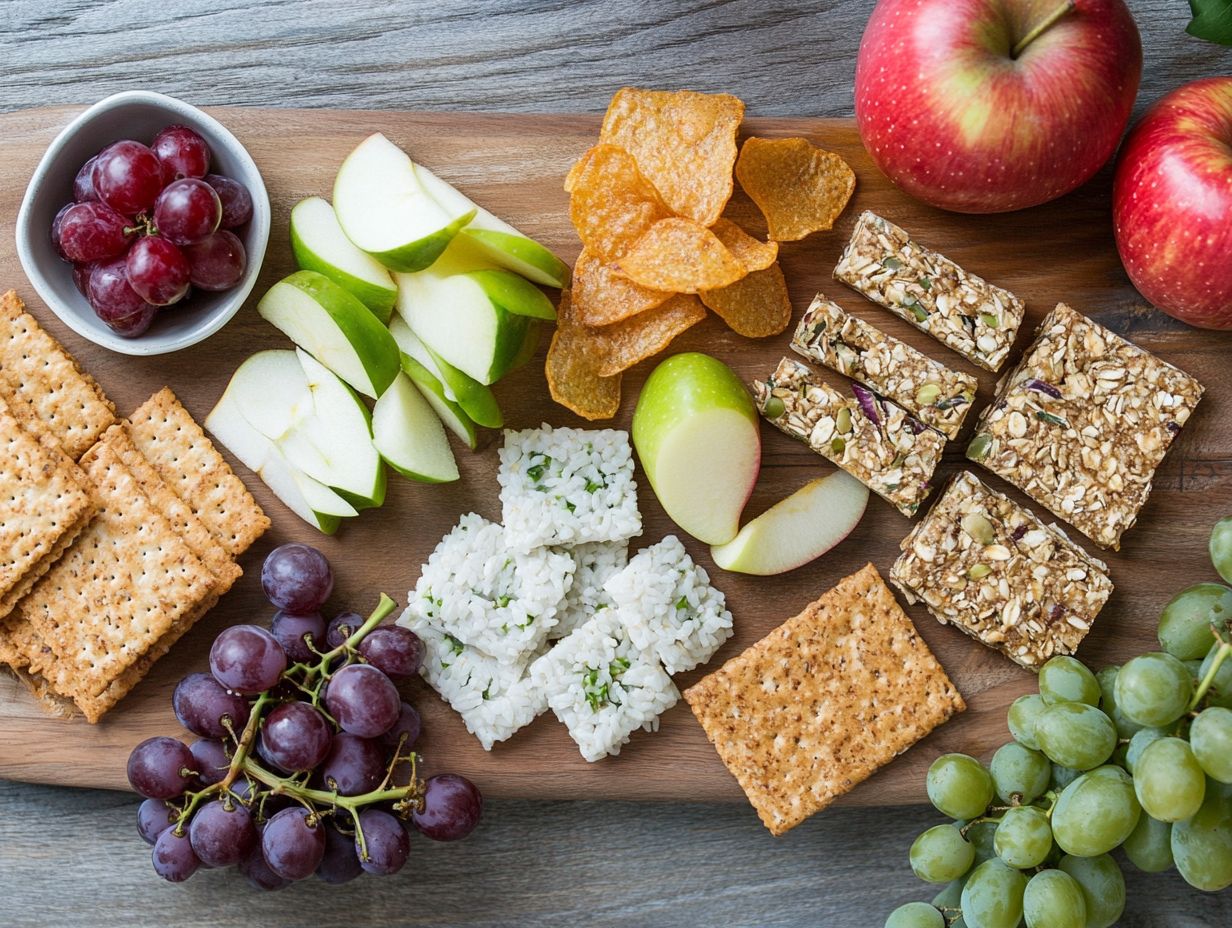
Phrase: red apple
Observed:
(984, 106)
(1172, 204)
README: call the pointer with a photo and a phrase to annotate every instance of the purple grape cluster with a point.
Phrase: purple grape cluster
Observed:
(305, 762)
(147, 224)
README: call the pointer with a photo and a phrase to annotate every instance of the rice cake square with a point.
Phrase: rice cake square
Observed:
(602, 686)
(594, 564)
(172, 441)
(563, 486)
(42, 375)
(669, 606)
(1083, 422)
(45, 502)
(823, 701)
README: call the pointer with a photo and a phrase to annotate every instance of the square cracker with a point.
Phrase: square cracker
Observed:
(126, 583)
(823, 701)
(190, 464)
(39, 372)
(44, 505)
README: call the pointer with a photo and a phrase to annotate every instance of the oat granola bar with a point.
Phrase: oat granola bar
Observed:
(961, 310)
(1082, 423)
(981, 562)
(871, 438)
(934, 394)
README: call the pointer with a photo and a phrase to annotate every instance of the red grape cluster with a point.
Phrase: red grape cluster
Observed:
(305, 763)
(148, 224)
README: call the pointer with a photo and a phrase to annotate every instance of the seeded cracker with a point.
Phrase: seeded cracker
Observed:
(823, 701)
(37, 370)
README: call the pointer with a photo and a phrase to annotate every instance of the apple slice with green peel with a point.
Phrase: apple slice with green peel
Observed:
(696, 434)
(500, 242)
(409, 435)
(384, 208)
(319, 244)
(798, 529)
(335, 328)
(449, 412)
(455, 317)
(530, 344)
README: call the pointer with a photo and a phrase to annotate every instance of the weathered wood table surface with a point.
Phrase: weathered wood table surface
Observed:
(72, 857)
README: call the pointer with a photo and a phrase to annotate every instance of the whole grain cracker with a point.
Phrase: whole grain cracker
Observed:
(823, 701)
(190, 464)
(38, 371)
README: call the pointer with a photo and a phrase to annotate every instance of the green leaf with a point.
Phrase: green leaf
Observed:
(1212, 20)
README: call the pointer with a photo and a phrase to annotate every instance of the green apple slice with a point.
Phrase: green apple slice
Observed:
(384, 208)
(798, 529)
(500, 242)
(530, 344)
(696, 433)
(319, 244)
(409, 435)
(449, 412)
(475, 399)
(515, 294)
(454, 316)
(335, 328)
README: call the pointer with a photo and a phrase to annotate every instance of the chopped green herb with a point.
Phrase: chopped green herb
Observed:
(618, 666)
(593, 486)
(682, 602)
(570, 506)
(536, 471)
(530, 620)
(596, 693)
(503, 601)
(456, 646)
(486, 691)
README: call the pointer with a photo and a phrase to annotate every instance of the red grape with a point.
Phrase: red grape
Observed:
(295, 737)
(362, 700)
(92, 232)
(291, 630)
(83, 183)
(157, 270)
(452, 805)
(341, 627)
(113, 298)
(201, 703)
(127, 177)
(353, 766)
(340, 863)
(236, 200)
(153, 818)
(187, 211)
(292, 844)
(247, 659)
(55, 231)
(221, 833)
(297, 578)
(173, 856)
(212, 762)
(81, 277)
(217, 262)
(161, 768)
(259, 874)
(395, 651)
(409, 724)
(387, 842)
(181, 152)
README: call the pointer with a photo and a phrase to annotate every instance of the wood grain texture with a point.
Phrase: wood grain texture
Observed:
(514, 165)
(533, 863)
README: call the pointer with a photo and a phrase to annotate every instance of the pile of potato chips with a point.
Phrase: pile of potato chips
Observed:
(648, 203)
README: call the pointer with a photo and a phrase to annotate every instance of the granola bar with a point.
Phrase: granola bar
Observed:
(871, 438)
(934, 394)
(980, 561)
(1082, 423)
(962, 311)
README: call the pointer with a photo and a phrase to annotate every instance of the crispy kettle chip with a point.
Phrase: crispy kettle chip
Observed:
(602, 297)
(798, 187)
(753, 253)
(618, 347)
(680, 256)
(755, 306)
(572, 373)
(611, 203)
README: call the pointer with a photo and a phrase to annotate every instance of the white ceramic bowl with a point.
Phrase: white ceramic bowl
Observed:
(134, 114)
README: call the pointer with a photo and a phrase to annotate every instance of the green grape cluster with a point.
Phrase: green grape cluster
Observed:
(1136, 757)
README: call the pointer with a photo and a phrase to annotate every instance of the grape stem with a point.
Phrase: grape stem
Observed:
(1225, 648)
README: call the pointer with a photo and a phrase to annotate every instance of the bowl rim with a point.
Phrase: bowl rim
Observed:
(236, 297)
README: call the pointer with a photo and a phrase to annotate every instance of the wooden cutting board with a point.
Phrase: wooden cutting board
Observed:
(514, 165)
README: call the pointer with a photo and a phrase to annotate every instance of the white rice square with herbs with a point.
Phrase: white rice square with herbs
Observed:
(670, 607)
(567, 487)
(602, 686)
(494, 698)
(476, 588)
(596, 563)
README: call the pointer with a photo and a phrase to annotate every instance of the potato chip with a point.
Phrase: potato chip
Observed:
(680, 256)
(572, 373)
(684, 142)
(601, 296)
(753, 253)
(618, 347)
(755, 306)
(611, 203)
(798, 187)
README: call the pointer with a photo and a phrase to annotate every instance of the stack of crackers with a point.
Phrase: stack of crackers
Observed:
(115, 535)
(823, 701)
